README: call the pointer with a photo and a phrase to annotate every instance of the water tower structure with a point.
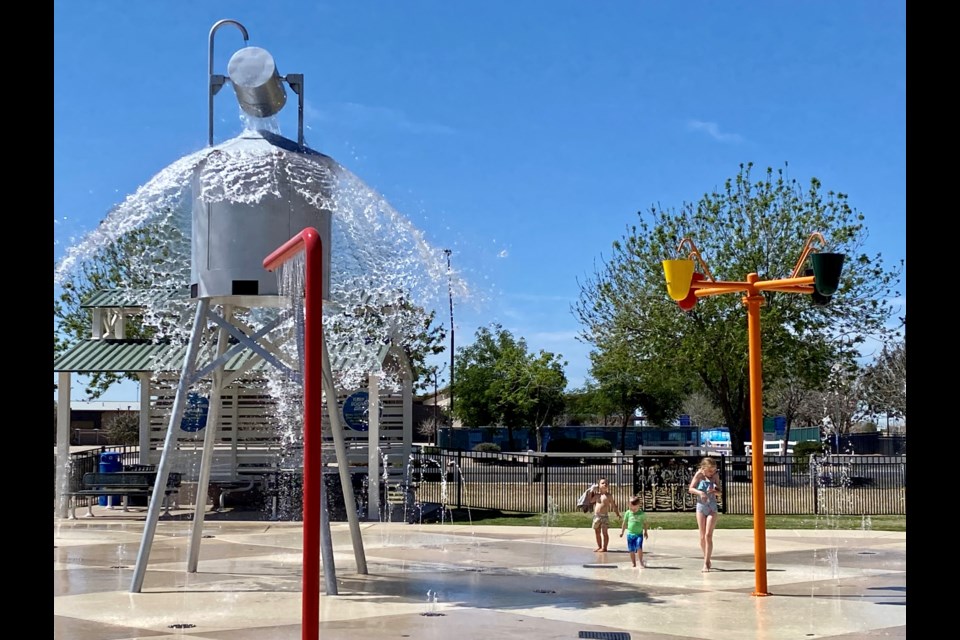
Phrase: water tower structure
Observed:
(230, 238)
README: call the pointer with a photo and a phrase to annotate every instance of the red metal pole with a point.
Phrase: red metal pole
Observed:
(308, 241)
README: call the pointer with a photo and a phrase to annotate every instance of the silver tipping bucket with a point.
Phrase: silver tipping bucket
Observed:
(254, 77)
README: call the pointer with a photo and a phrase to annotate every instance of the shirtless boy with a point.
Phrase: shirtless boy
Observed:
(601, 515)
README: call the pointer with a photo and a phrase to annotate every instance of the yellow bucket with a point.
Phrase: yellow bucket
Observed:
(679, 275)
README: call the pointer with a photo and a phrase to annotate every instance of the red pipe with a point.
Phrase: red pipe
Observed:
(308, 241)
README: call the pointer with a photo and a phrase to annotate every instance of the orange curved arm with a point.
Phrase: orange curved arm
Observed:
(695, 255)
(807, 248)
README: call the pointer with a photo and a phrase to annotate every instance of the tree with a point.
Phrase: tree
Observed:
(122, 427)
(746, 227)
(583, 406)
(788, 396)
(627, 383)
(842, 402)
(500, 383)
(885, 381)
(148, 257)
(360, 318)
(701, 410)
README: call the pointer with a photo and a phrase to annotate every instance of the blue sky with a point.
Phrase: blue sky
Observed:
(524, 136)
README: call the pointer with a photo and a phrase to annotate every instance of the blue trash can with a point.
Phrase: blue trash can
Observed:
(110, 461)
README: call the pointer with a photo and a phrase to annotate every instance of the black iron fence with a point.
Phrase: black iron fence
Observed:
(80, 462)
(539, 483)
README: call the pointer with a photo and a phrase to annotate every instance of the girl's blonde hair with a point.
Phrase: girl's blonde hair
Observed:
(708, 462)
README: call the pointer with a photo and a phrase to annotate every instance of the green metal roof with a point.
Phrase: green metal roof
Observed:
(110, 355)
(131, 298)
(132, 356)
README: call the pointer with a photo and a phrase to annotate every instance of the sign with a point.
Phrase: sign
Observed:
(195, 413)
(356, 411)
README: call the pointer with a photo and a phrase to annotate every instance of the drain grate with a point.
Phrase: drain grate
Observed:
(605, 635)
(599, 566)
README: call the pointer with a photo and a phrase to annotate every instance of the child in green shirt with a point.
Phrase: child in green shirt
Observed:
(635, 524)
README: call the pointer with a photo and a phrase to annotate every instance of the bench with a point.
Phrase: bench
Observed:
(122, 483)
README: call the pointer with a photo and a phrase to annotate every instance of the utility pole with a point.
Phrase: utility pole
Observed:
(436, 407)
(450, 293)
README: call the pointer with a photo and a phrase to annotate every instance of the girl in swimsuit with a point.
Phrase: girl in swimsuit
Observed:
(704, 487)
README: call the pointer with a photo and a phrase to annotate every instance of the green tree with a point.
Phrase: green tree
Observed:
(627, 383)
(122, 427)
(500, 383)
(143, 259)
(376, 323)
(581, 406)
(885, 381)
(701, 410)
(748, 226)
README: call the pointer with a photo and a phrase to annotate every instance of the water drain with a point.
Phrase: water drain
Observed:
(866, 553)
(208, 536)
(119, 566)
(432, 614)
(181, 625)
(599, 566)
(544, 591)
(605, 635)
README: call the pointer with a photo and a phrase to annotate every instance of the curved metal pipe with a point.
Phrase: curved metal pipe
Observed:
(210, 84)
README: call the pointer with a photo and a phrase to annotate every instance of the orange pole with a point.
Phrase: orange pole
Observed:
(754, 300)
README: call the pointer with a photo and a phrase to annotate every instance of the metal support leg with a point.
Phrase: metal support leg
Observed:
(163, 468)
(326, 544)
(206, 460)
(346, 483)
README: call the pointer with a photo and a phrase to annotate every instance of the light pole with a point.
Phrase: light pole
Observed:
(685, 286)
(447, 252)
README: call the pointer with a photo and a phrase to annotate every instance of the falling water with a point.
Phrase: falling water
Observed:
(378, 260)
(548, 519)
(376, 254)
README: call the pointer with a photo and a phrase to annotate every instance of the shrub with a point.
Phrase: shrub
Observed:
(122, 428)
(573, 445)
(487, 447)
(597, 445)
(802, 451)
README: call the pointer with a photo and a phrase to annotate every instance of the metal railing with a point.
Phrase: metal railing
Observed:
(538, 483)
(81, 462)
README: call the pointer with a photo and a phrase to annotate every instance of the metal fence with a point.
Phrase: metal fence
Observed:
(540, 483)
(80, 462)
(543, 483)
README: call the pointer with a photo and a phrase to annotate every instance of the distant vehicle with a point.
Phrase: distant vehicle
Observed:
(426, 470)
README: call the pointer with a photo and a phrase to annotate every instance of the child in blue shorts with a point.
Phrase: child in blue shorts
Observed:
(635, 524)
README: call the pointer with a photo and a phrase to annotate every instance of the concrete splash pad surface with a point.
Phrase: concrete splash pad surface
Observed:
(490, 582)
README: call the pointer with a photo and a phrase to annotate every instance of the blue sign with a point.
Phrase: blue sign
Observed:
(195, 413)
(356, 411)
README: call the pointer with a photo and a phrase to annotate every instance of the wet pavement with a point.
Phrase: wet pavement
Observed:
(489, 582)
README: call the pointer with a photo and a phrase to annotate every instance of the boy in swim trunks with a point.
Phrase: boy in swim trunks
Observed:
(601, 514)
(635, 524)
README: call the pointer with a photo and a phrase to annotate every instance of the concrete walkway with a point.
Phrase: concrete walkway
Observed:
(495, 583)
